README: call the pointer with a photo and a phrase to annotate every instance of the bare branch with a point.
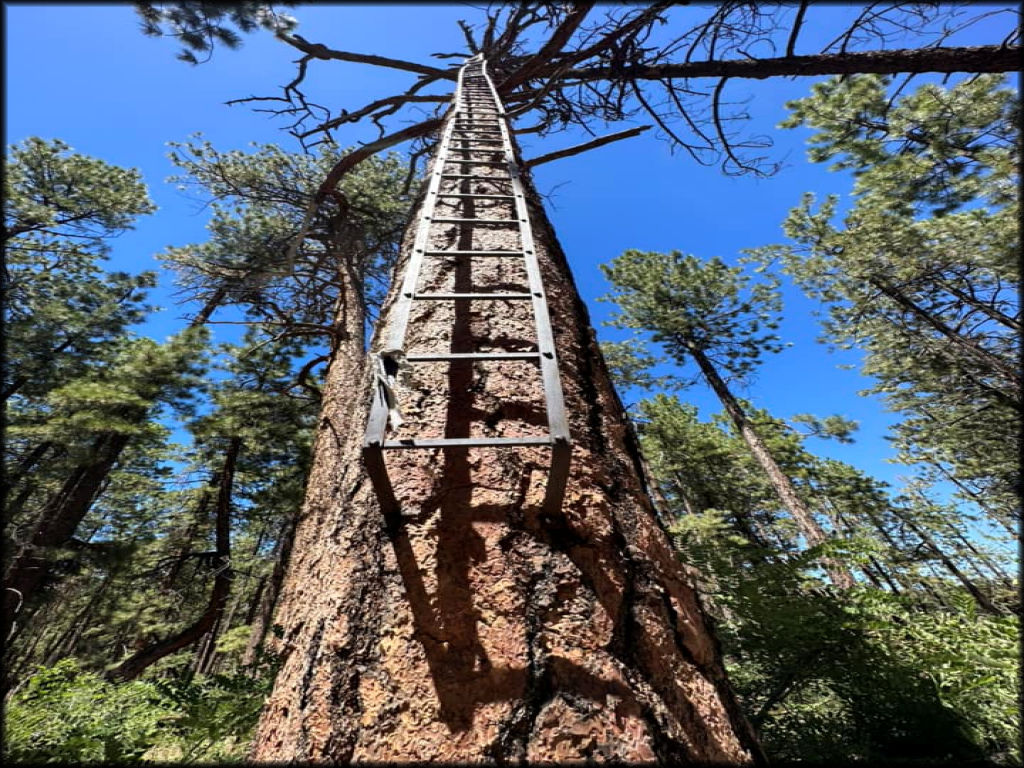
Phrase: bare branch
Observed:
(321, 51)
(979, 58)
(392, 101)
(470, 42)
(648, 16)
(599, 142)
(352, 159)
(539, 97)
(558, 40)
(716, 115)
(797, 23)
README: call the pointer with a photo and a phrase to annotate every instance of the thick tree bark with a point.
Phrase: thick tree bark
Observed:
(838, 574)
(473, 626)
(132, 667)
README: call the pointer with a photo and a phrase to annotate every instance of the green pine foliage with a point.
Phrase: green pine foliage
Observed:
(63, 714)
(915, 662)
(87, 395)
(918, 661)
(922, 272)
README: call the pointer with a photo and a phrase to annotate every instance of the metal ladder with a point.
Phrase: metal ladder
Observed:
(479, 124)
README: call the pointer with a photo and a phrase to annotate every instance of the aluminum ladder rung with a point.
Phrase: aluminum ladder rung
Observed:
(453, 220)
(474, 253)
(467, 195)
(465, 442)
(480, 121)
(440, 357)
(472, 296)
(474, 176)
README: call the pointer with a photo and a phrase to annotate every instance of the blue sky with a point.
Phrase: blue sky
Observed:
(85, 74)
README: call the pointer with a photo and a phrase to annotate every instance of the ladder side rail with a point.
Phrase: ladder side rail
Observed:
(376, 426)
(558, 423)
(396, 337)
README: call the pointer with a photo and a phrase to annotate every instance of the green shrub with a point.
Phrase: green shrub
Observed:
(63, 714)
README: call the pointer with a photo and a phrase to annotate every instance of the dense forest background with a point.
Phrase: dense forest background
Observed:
(858, 619)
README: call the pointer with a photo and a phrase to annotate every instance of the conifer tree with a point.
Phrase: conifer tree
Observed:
(697, 311)
(922, 271)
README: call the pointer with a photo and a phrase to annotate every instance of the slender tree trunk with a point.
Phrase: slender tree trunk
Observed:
(30, 460)
(223, 625)
(838, 574)
(57, 523)
(981, 356)
(206, 649)
(185, 549)
(257, 599)
(976, 497)
(66, 643)
(884, 573)
(993, 568)
(61, 515)
(474, 626)
(270, 592)
(1013, 323)
(132, 667)
(979, 597)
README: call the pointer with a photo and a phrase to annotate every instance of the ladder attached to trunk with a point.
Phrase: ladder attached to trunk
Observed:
(477, 124)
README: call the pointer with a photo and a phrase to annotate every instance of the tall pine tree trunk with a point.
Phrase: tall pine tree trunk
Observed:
(475, 627)
(266, 598)
(57, 523)
(783, 486)
(62, 513)
(979, 596)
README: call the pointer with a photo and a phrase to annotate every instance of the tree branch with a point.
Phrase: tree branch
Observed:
(598, 142)
(352, 159)
(468, 33)
(394, 101)
(980, 58)
(321, 51)
(550, 49)
(797, 23)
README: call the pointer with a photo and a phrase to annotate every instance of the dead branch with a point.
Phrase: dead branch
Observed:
(558, 40)
(391, 101)
(631, 27)
(352, 159)
(468, 33)
(797, 23)
(979, 58)
(599, 142)
(321, 51)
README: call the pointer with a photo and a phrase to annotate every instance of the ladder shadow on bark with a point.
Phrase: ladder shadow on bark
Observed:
(446, 623)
